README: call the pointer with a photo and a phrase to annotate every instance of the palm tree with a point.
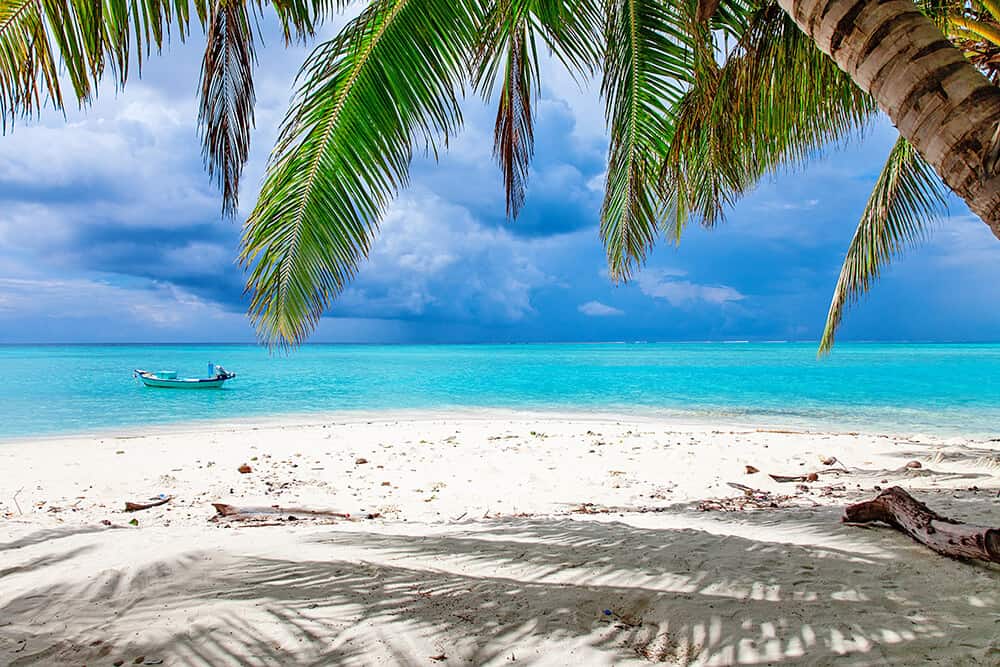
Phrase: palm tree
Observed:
(908, 195)
(391, 81)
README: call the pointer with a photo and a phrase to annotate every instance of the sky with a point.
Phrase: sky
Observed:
(111, 231)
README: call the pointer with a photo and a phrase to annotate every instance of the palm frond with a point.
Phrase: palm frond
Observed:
(989, 32)
(300, 19)
(992, 8)
(774, 102)
(647, 66)
(226, 118)
(507, 55)
(939, 11)
(83, 38)
(908, 196)
(389, 79)
(23, 40)
(573, 31)
(507, 47)
(513, 136)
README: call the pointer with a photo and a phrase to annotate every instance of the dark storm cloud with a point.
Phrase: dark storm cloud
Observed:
(110, 217)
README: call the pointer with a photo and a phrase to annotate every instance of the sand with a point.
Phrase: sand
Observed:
(501, 538)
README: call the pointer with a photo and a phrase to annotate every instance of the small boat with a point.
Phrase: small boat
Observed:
(217, 375)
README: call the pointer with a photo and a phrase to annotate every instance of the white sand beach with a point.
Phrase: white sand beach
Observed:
(500, 538)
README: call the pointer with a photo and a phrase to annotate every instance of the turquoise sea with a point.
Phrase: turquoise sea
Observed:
(869, 387)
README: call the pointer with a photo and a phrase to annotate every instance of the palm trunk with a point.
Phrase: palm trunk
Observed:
(942, 104)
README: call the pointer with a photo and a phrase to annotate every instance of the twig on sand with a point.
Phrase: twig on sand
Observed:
(136, 507)
(746, 489)
(17, 504)
(910, 470)
(809, 477)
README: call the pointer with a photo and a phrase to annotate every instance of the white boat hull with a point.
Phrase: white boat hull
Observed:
(151, 380)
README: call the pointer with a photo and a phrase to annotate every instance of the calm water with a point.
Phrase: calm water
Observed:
(907, 388)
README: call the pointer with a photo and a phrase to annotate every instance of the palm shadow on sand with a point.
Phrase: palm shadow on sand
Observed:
(534, 591)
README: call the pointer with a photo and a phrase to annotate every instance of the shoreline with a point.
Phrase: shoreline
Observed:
(679, 418)
(478, 537)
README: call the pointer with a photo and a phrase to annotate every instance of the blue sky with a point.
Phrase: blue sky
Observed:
(110, 232)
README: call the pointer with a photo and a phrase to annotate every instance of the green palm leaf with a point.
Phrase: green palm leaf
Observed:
(907, 197)
(83, 37)
(301, 18)
(773, 104)
(573, 31)
(227, 97)
(648, 62)
(390, 79)
(23, 40)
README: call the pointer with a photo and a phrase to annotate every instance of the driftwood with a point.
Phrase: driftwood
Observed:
(135, 507)
(949, 537)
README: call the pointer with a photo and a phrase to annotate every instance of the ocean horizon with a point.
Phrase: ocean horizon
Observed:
(941, 388)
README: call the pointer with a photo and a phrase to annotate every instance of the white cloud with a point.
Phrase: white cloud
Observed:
(434, 254)
(582, 99)
(32, 226)
(660, 284)
(566, 183)
(164, 305)
(598, 309)
(803, 205)
(597, 182)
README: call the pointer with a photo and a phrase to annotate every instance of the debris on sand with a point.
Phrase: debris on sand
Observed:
(752, 499)
(153, 502)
